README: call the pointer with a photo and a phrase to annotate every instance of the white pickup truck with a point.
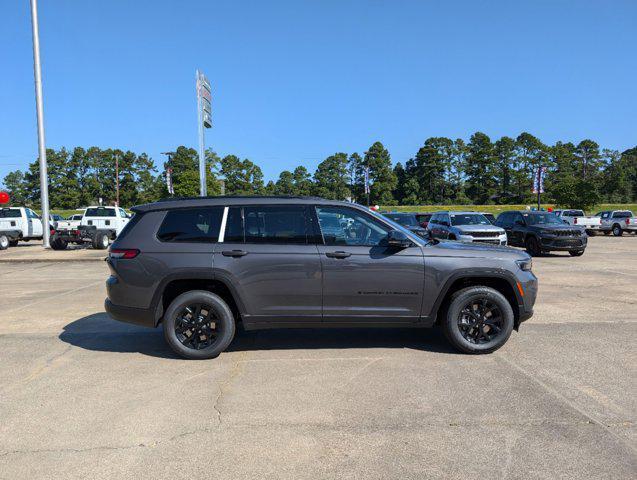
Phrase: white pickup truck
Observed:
(18, 223)
(98, 226)
(618, 222)
(579, 219)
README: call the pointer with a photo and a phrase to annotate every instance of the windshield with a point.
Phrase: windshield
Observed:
(469, 219)
(9, 213)
(541, 219)
(406, 220)
(573, 213)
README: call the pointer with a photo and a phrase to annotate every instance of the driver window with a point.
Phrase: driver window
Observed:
(347, 227)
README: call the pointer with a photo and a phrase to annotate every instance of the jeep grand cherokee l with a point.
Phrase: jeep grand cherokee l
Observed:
(199, 266)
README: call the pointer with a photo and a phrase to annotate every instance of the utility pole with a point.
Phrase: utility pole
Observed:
(44, 179)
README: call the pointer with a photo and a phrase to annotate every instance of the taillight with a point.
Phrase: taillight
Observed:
(628, 221)
(126, 253)
(575, 221)
(52, 232)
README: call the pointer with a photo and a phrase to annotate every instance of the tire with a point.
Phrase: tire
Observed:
(100, 241)
(591, 233)
(179, 315)
(13, 243)
(532, 246)
(452, 237)
(4, 242)
(58, 244)
(484, 298)
(617, 230)
(576, 253)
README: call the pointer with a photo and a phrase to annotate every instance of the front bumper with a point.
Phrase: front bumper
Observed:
(529, 284)
(495, 240)
(554, 243)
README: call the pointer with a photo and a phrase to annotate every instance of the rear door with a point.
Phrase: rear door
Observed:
(363, 280)
(269, 256)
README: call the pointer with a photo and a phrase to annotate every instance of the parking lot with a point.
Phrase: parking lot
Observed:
(82, 396)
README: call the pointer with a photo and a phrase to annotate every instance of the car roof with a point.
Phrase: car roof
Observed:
(459, 212)
(189, 202)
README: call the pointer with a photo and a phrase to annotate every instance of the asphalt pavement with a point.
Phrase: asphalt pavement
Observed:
(82, 396)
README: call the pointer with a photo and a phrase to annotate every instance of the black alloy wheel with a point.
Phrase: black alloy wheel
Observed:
(196, 326)
(576, 253)
(199, 325)
(480, 321)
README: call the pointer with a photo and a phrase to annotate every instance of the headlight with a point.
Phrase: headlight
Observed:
(525, 265)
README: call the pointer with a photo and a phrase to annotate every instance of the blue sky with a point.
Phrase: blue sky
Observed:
(295, 81)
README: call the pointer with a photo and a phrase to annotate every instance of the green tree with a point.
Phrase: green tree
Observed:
(480, 168)
(302, 181)
(504, 150)
(15, 185)
(381, 174)
(242, 176)
(331, 179)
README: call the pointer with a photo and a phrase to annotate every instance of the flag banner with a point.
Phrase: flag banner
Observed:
(169, 181)
(538, 180)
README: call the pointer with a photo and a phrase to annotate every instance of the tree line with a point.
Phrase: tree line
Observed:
(443, 171)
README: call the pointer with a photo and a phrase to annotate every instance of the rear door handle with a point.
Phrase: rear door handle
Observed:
(234, 253)
(338, 254)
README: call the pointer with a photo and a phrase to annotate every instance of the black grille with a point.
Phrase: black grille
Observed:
(568, 242)
(494, 242)
(483, 234)
(567, 233)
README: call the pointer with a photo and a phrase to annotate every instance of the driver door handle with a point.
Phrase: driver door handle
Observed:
(338, 254)
(234, 253)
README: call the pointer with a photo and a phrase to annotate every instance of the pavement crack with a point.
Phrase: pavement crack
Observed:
(235, 371)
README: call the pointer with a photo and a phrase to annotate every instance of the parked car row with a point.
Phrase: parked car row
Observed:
(536, 231)
(98, 226)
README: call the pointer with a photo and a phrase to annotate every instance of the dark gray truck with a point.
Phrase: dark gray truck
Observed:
(202, 265)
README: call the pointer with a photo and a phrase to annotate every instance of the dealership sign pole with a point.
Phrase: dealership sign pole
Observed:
(204, 114)
(44, 182)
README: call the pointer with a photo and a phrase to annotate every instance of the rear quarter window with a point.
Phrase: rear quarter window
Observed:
(194, 225)
(100, 212)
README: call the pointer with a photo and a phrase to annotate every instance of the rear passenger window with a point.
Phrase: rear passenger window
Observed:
(272, 224)
(195, 225)
(275, 224)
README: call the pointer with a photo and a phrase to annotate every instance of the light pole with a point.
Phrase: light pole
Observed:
(44, 182)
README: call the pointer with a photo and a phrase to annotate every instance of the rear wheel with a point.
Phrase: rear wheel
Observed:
(532, 246)
(576, 253)
(479, 320)
(198, 325)
(100, 241)
(58, 244)
(13, 243)
(4, 242)
(617, 230)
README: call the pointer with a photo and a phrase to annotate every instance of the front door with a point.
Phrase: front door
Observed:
(269, 256)
(363, 280)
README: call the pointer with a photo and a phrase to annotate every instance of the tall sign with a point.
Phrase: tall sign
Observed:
(204, 115)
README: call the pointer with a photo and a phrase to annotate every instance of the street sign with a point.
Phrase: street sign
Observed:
(204, 93)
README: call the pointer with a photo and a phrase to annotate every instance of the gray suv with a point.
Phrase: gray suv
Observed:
(200, 266)
(468, 227)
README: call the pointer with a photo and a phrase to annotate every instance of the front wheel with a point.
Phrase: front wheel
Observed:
(4, 242)
(617, 231)
(576, 253)
(533, 247)
(198, 325)
(479, 320)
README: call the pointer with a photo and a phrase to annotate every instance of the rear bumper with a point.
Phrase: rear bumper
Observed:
(11, 234)
(137, 316)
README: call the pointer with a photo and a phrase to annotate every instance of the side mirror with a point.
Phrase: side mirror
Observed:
(397, 239)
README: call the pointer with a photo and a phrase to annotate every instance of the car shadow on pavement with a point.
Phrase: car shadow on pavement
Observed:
(97, 332)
